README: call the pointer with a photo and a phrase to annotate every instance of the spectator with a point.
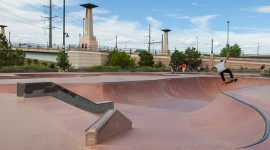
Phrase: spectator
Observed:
(183, 67)
(262, 69)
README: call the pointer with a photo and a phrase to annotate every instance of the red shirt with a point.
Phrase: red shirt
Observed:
(184, 65)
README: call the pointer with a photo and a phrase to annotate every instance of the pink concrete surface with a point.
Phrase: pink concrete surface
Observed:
(167, 112)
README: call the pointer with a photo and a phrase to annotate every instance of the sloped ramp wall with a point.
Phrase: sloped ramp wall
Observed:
(51, 89)
(110, 124)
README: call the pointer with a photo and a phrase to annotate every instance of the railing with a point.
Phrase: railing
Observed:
(77, 47)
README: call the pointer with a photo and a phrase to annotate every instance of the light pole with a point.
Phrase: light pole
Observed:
(83, 26)
(9, 38)
(116, 41)
(258, 48)
(228, 22)
(64, 35)
(79, 40)
(197, 44)
(64, 21)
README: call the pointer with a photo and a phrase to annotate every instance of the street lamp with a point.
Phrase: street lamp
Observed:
(228, 22)
(64, 35)
(64, 21)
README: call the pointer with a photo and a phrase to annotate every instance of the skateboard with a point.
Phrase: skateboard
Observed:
(231, 81)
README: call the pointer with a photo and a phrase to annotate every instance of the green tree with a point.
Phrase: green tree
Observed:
(234, 51)
(177, 58)
(9, 57)
(121, 59)
(4, 48)
(63, 61)
(193, 57)
(146, 59)
(15, 57)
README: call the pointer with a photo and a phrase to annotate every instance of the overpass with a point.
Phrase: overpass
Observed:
(89, 57)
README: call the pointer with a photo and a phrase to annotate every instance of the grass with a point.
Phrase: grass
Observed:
(27, 67)
(117, 68)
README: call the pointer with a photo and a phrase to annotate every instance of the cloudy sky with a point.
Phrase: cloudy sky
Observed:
(191, 22)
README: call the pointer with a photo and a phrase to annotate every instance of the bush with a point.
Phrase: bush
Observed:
(52, 66)
(29, 61)
(44, 63)
(177, 58)
(63, 61)
(193, 57)
(35, 61)
(159, 64)
(121, 59)
(146, 59)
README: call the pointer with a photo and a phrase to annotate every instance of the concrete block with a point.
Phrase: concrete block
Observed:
(112, 123)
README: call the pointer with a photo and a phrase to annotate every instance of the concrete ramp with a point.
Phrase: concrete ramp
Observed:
(192, 113)
(230, 120)
(196, 113)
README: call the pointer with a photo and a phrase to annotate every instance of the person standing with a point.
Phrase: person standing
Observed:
(183, 67)
(262, 69)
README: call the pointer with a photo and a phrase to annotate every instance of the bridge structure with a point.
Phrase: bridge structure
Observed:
(81, 57)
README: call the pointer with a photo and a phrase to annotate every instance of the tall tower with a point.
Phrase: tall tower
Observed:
(88, 40)
(165, 48)
(2, 30)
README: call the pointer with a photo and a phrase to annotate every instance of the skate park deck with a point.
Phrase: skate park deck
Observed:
(185, 111)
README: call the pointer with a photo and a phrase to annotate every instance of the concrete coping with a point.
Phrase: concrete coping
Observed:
(100, 122)
(267, 130)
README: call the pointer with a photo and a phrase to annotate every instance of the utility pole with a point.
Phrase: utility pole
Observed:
(149, 37)
(9, 38)
(116, 41)
(212, 46)
(258, 48)
(50, 22)
(197, 44)
(50, 25)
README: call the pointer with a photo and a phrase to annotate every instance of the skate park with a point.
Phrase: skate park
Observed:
(149, 111)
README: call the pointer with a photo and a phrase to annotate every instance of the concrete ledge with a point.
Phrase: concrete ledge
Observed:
(51, 89)
(110, 124)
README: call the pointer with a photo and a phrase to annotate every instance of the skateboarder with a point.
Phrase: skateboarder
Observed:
(222, 69)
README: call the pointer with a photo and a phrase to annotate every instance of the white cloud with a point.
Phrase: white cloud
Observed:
(263, 9)
(154, 23)
(101, 11)
(177, 16)
(195, 4)
(202, 21)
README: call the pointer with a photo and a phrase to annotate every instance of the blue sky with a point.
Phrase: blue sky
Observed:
(249, 25)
